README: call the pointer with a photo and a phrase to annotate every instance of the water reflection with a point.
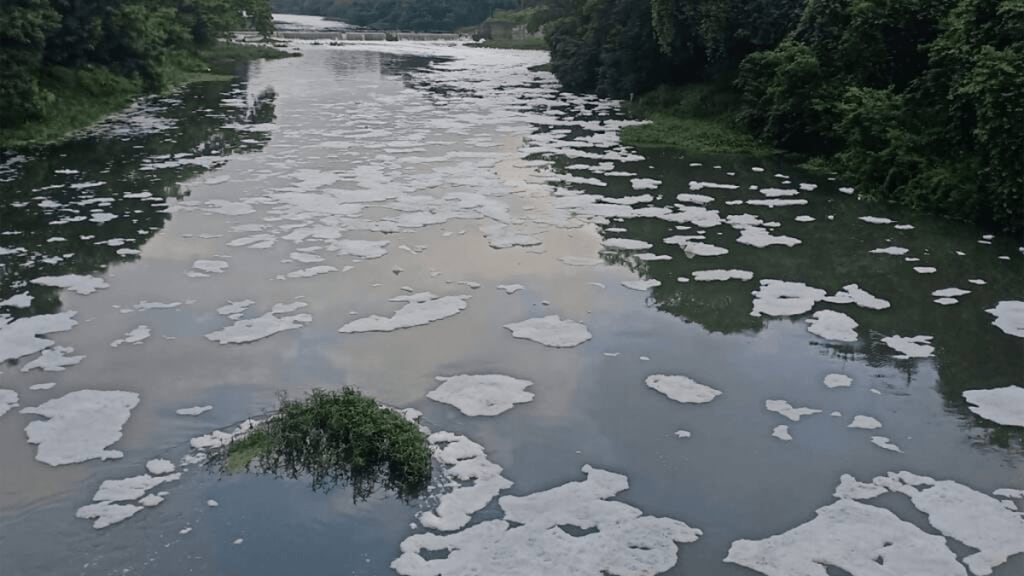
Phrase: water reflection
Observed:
(80, 206)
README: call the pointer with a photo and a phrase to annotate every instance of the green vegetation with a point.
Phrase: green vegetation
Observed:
(64, 64)
(916, 102)
(530, 43)
(697, 117)
(416, 15)
(337, 437)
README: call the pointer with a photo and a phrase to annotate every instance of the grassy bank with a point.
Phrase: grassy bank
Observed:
(696, 117)
(82, 96)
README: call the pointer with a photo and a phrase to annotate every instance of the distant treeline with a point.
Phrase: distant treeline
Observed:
(104, 46)
(918, 101)
(413, 15)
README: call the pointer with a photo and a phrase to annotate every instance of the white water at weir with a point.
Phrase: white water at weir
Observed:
(394, 233)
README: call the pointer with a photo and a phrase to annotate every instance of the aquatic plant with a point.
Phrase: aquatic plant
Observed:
(337, 437)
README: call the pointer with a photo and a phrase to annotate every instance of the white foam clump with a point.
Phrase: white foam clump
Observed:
(217, 439)
(21, 337)
(23, 300)
(134, 336)
(80, 425)
(787, 410)
(759, 237)
(925, 269)
(77, 283)
(832, 325)
(481, 394)
(625, 244)
(551, 331)
(695, 185)
(510, 288)
(876, 220)
(695, 198)
(910, 346)
(476, 481)
(210, 266)
(414, 313)
(106, 512)
(644, 183)
(529, 540)
(309, 272)
(886, 443)
(838, 381)
(950, 293)
(682, 388)
(1000, 405)
(682, 434)
(854, 294)
(159, 466)
(365, 249)
(1009, 317)
(781, 298)
(859, 539)
(193, 410)
(42, 386)
(8, 400)
(234, 308)
(252, 329)
(891, 250)
(957, 511)
(782, 432)
(864, 422)
(722, 275)
(54, 359)
(641, 285)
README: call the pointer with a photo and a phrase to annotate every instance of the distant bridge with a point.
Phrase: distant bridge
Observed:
(356, 36)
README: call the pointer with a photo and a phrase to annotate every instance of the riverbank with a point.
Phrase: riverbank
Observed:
(84, 95)
(531, 43)
(697, 118)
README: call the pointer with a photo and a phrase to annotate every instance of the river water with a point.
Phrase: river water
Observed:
(333, 183)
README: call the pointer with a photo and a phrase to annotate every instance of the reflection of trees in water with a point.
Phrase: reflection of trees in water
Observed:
(198, 116)
(970, 353)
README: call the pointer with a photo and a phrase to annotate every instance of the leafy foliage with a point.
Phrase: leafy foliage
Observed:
(338, 437)
(920, 102)
(134, 39)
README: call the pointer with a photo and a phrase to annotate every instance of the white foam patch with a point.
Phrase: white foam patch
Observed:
(159, 466)
(891, 250)
(787, 410)
(210, 266)
(193, 410)
(782, 432)
(625, 244)
(682, 434)
(76, 283)
(957, 511)
(481, 394)
(8, 400)
(885, 443)
(641, 285)
(510, 288)
(832, 325)
(644, 183)
(859, 539)
(1000, 405)
(415, 313)
(950, 293)
(310, 272)
(695, 185)
(54, 359)
(106, 513)
(529, 540)
(682, 389)
(910, 346)
(838, 381)
(474, 481)
(925, 269)
(761, 237)
(42, 386)
(875, 220)
(365, 249)
(864, 423)
(234, 309)
(80, 425)
(854, 294)
(1009, 317)
(253, 329)
(551, 331)
(722, 275)
(780, 298)
(136, 335)
(23, 300)
(695, 198)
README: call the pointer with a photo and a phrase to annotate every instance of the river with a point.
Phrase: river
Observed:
(708, 348)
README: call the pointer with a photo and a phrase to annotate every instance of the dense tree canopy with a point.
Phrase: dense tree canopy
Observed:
(919, 101)
(134, 39)
(418, 15)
